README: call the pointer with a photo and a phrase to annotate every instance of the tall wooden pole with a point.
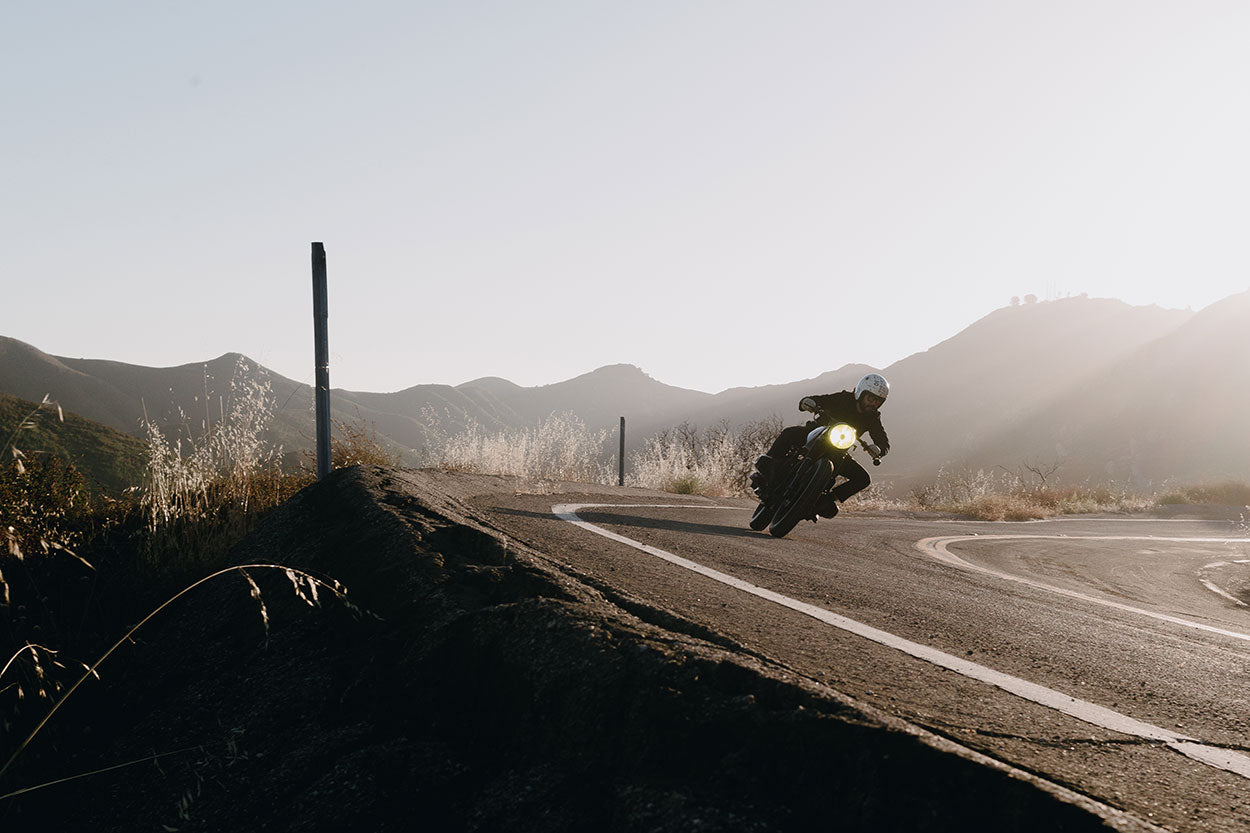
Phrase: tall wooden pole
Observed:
(620, 480)
(321, 313)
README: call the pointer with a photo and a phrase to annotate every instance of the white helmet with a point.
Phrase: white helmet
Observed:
(875, 384)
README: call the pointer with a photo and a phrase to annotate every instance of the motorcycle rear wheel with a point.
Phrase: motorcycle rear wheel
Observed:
(799, 501)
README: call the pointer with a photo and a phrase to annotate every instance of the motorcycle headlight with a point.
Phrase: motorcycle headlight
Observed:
(842, 436)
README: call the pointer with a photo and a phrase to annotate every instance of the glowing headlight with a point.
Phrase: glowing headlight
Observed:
(842, 436)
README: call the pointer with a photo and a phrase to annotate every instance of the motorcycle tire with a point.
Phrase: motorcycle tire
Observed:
(763, 514)
(800, 499)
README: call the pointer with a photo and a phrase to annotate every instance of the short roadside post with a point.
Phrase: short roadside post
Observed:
(620, 480)
(322, 349)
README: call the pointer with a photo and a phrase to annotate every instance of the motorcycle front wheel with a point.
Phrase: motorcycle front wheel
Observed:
(799, 501)
(763, 514)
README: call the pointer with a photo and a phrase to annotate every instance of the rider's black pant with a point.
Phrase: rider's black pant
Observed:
(857, 478)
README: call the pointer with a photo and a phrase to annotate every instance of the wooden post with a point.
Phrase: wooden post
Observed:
(620, 480)
(321, 338)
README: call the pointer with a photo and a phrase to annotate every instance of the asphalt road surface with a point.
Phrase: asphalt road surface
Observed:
(1108, 655)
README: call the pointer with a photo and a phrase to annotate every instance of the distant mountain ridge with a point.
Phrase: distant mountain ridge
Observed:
(1173, 407)
(1081, 383)
(999, 372)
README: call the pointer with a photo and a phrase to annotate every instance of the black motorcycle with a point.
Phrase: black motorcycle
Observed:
(798, 482)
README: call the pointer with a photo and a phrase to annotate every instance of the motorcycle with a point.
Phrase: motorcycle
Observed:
(800, 480)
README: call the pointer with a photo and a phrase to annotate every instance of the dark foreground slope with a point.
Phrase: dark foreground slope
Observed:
(495, 692)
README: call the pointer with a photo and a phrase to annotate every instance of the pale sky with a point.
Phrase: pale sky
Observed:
(724, 193)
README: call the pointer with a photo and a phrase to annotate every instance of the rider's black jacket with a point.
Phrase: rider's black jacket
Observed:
(840, 407)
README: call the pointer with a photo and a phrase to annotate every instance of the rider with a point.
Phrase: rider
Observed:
(860, 411)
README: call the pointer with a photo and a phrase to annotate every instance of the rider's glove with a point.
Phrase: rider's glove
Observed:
(875, 451)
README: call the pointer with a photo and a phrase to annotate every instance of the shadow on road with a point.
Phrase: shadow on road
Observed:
(615, 519)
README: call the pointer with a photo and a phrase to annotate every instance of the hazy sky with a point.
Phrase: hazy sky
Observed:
(723, 193)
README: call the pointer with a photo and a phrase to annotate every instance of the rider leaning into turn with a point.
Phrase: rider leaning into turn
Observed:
(860, 411)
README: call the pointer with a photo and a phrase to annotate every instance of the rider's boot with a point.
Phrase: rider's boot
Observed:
(827, 506)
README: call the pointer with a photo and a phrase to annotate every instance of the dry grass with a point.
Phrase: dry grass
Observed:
(202, 492)
(1229, 493)
(358, 445)
(560, 448)
(205, 490)
(715, 462)
(196, 473)
(1007, 496)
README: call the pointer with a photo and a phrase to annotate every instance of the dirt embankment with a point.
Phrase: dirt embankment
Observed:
(486, 690)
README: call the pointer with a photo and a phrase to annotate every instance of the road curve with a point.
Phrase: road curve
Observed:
(1107, 655)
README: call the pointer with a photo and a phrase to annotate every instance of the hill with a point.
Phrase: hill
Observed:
(602, 396)
(980, 383)
(1095, 386)
(1174, 408)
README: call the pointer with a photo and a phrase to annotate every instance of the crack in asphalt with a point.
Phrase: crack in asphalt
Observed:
(938, 726)
(1070, 743)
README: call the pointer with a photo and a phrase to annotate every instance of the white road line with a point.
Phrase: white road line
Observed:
(1087, 712)
(1087, 521)
(1219, 591)
(1215, 588)
(938, 548)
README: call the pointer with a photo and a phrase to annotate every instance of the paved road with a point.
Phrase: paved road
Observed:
(1111, 656)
